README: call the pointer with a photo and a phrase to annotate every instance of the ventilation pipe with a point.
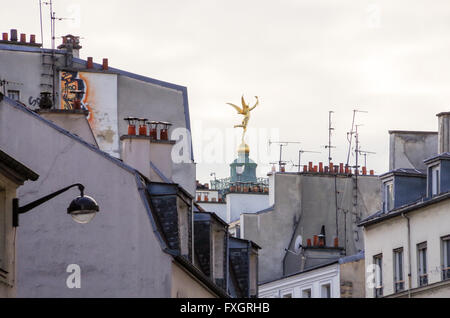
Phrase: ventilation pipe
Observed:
(444, 132)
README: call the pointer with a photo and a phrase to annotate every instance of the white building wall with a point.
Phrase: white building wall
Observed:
(428, 224)
(218, 208)
(296, 284)
(238, 203)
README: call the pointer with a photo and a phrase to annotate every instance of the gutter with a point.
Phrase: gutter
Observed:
(406, 209)
(409, 253)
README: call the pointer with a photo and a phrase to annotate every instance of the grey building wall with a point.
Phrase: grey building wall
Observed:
(118, 252)
(408, 149)
(137, 95)
(303, 203)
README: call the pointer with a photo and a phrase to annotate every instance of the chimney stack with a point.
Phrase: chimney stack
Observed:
(105, 64)
(71, 44)
(444, 132)
(151, 156)
(90, 62)
(13, 36)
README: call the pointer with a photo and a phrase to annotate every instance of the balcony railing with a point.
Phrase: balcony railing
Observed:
(399, 286)
(379, 291)
(423, 279)
(446, 273)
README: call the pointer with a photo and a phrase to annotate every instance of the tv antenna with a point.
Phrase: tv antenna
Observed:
(365, 153)
(352, 132)
(330, 130)
(53, 19)
(300, 157)
(357, 146)
(282, 144)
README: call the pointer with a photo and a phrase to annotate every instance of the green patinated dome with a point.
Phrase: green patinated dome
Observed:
(243, 169)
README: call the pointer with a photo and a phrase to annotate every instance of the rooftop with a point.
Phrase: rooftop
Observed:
(381, 216)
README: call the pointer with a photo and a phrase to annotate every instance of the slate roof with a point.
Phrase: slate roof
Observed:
(408, 172)
(441, 156)
(20, 171)
(380, 216)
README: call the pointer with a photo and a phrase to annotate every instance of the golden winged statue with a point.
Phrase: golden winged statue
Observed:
(245, 111)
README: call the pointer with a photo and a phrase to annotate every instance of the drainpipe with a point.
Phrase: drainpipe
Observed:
(192, 233)
(409, 254)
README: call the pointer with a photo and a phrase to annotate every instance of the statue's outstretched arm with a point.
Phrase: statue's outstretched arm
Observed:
(257, 102)
(239, 110)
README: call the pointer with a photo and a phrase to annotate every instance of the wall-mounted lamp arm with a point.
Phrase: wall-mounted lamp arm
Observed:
(19, 210)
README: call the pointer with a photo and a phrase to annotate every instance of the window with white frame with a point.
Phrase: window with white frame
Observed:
(306, 293)
(378, 262)
(388, 196)
(422, 263)
(287, 294)
(325, 291)
(435, 180)
(446, 257)
(399, 283)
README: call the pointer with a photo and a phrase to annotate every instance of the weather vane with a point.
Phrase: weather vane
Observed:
(245, 111)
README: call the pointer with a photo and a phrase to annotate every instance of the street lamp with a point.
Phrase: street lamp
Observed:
(82, 209)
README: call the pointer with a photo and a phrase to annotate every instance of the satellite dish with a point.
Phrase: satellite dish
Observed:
(298, 244)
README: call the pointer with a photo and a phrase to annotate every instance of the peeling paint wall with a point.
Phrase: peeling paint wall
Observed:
(408, 149)
(100, 98)
(353, 279)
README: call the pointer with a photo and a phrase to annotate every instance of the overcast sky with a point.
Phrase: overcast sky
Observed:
(302, 58)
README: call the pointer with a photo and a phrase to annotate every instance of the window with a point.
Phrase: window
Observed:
(399, 283)
(287, 295)
(325, 291)
(388, 196)
(422, 263)
(378, 262)
(15, 95)
(306, 293)
(435, 180)
(446, 257)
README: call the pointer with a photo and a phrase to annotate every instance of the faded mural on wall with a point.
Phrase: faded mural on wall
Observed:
(97, 93)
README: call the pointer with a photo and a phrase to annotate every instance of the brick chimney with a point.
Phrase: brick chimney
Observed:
(152, 157)
(444, 132)
(71, 44)
(15, 40)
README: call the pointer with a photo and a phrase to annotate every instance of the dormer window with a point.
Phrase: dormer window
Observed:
(435, 180)
(388, 193)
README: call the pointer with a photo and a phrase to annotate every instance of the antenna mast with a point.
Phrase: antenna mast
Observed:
(351, 133)
(300, 156)
(330, 130)
(365, 153)
(40, 20)
(282, 144)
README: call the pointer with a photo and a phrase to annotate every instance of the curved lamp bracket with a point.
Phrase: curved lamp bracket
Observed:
(23, 209)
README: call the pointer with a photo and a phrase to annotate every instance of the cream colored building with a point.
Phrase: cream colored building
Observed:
(407, 243)
(418, 229)
(12, 175)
